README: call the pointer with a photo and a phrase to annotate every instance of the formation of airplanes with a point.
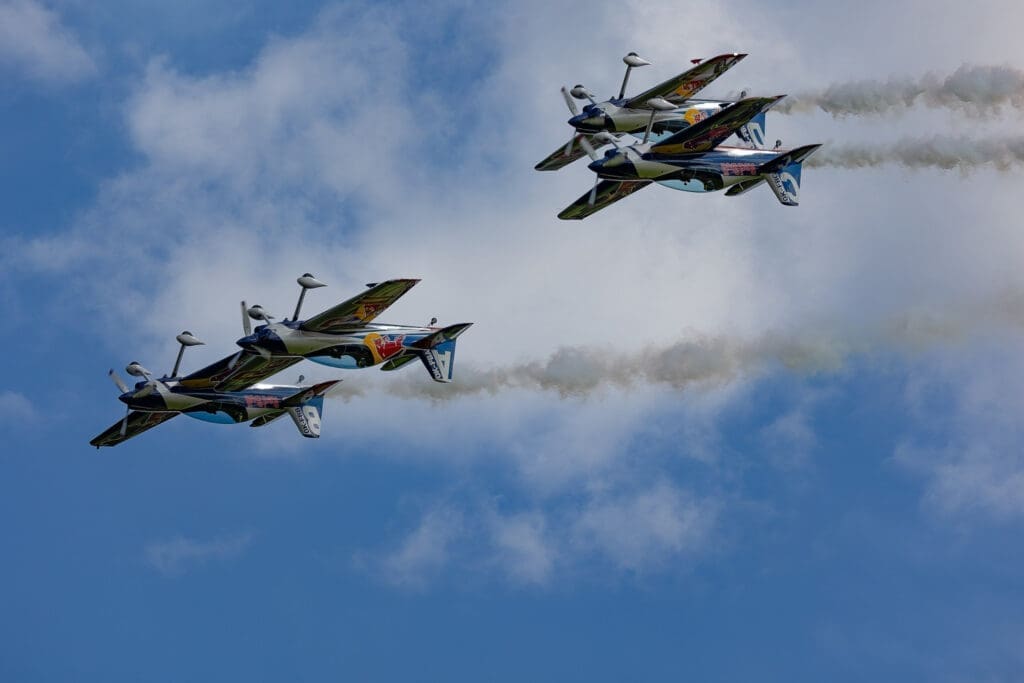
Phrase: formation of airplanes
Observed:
(683, 141)
(663, 135)
(231, 390)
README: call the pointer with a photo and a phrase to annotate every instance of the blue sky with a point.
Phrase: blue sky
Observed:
(692, 436)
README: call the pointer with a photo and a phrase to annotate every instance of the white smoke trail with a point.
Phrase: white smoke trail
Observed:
(945, 152)
(976, 90)
(707, 362)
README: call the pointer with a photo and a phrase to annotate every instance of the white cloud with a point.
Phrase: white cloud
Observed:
(15, 407)
(180, 554)
(642, 531)
(655, 528)
(423, 554)
(968, 455)
(34, 43)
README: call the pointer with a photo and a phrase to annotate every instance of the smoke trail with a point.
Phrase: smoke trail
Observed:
(963, 154)
(977, 90)
(580, 371)
(716, 361)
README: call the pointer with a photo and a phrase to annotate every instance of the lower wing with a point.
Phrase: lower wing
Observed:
(608, 192)
(136, 423)
(566, 154)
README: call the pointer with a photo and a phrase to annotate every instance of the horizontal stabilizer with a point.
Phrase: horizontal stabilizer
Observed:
(793, 156)
(449, 333)
(266, 419)
(744, 186)
(309, 393)
(399, 361)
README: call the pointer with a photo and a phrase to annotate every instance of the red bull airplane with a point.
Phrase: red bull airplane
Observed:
(228, 392)
(346, 336)
(634, 114)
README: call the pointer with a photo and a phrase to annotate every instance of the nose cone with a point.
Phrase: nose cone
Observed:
(263, 340)
(125, 397)
(596, 165)
(247, 342)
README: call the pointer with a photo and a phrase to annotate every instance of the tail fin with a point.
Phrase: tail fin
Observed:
(783, 173)
(306, 406)
(307, 417)
(753, 132)
(436, 351)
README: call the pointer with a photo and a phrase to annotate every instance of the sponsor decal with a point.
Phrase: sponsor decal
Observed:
(439, 363)
(258, 401)
(738, 168)
(688, 87)
(307, 419)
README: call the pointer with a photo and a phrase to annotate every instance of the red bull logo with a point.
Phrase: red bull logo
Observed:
(693, 116)
(383, 346)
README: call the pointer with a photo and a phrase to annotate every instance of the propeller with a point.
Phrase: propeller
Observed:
(246, 325)
(588, 148)
(124, 422)
(573, 109)
(118, 382)
(593, 191)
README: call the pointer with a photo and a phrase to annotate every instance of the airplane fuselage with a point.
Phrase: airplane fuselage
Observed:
(225, 407)
(612, 117)
(699, 172)
(360, 347)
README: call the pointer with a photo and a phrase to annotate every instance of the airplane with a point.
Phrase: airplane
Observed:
(345, 336)
(692, 160)
(631, 115)
(228, 391)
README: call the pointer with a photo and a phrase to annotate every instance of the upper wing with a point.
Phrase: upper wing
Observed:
(138, 422)
(361, 308)
(238, 371)
(706, 134)
(687, 84)
(608, 192)
(560, 157)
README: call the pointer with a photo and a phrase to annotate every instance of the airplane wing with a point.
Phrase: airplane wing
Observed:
(560, 158)
(138, 422)
(687, 84)
(712, 131)
(238, 371)
(608, 192)
(361, 308)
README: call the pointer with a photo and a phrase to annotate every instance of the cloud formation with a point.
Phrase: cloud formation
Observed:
(180, 554)
(34, 43)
